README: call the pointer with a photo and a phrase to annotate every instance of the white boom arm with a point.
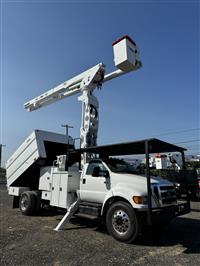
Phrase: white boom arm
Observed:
(126, 59)
(65, 89)
(69, 88)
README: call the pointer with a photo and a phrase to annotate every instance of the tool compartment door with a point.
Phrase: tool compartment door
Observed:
(55, 189)
(59, 191)
(63, 190)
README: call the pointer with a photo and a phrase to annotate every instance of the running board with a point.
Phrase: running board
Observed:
(86, 216)
(72, 209)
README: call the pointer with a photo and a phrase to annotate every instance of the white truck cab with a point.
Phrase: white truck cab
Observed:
(122, 196)
(102, 180)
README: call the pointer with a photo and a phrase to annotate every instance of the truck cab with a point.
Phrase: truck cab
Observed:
(119, 195)
(103, 179)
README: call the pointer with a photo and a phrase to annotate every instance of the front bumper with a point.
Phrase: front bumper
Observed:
(165, 214)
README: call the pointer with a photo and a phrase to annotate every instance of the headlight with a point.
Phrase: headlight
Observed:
(140, 199)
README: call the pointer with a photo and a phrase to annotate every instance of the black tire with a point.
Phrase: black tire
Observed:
(37, 195)
(27, 203)
(122, 222)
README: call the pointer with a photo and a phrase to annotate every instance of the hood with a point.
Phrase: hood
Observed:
(138, 182)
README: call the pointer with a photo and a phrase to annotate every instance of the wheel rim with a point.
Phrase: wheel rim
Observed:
(121, 222)
(24, 202)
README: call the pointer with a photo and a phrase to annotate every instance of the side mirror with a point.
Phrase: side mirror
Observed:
(96, 171)
(106, 173)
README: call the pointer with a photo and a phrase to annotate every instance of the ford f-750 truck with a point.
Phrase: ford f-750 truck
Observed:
(105, 188)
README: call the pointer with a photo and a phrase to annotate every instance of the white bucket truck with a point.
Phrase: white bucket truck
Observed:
(89, 181)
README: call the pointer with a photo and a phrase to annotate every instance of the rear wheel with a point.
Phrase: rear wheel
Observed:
(121, 222)
(27, 203)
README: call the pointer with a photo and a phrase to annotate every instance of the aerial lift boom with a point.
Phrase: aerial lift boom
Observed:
(126, 58)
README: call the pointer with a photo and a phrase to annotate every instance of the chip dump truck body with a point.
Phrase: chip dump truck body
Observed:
(39, 149)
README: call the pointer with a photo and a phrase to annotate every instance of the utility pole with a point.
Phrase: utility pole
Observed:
(67, 131)
(1, 145)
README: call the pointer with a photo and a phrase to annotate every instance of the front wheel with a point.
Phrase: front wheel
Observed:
(122, 222)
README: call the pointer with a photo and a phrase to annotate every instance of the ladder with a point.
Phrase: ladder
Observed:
(70, 212)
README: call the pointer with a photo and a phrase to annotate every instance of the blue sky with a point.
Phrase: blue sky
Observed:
(44, 43)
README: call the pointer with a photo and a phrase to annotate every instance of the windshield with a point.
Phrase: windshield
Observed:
(119, 166)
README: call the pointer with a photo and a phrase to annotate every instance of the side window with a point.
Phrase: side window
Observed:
(95, 164)
(90, 168)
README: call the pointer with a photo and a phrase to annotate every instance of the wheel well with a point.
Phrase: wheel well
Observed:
(110, 201)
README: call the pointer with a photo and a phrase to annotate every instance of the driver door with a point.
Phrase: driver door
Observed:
(95, 188)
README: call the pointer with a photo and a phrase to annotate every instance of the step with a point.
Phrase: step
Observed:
(91, 204)
(90, 209)
(86, 216)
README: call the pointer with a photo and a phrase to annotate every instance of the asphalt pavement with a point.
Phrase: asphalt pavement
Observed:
(31, 241)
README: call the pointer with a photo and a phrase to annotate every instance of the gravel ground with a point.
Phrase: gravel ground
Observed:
(31, 241)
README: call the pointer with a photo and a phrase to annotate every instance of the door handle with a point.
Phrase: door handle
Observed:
(84, 180)
(106, 182)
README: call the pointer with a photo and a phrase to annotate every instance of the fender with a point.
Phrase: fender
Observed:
(124, 191)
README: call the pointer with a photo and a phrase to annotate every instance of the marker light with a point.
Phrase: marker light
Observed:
(139, 199)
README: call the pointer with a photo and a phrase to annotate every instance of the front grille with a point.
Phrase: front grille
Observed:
(165, 195)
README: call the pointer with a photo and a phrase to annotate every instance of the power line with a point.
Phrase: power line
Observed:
(191, 145)
(174, 132)
(189, 141)
(194, 148)
(180, 131)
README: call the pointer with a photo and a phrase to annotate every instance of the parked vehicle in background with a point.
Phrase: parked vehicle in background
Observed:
(189, 181)
(186, 182)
